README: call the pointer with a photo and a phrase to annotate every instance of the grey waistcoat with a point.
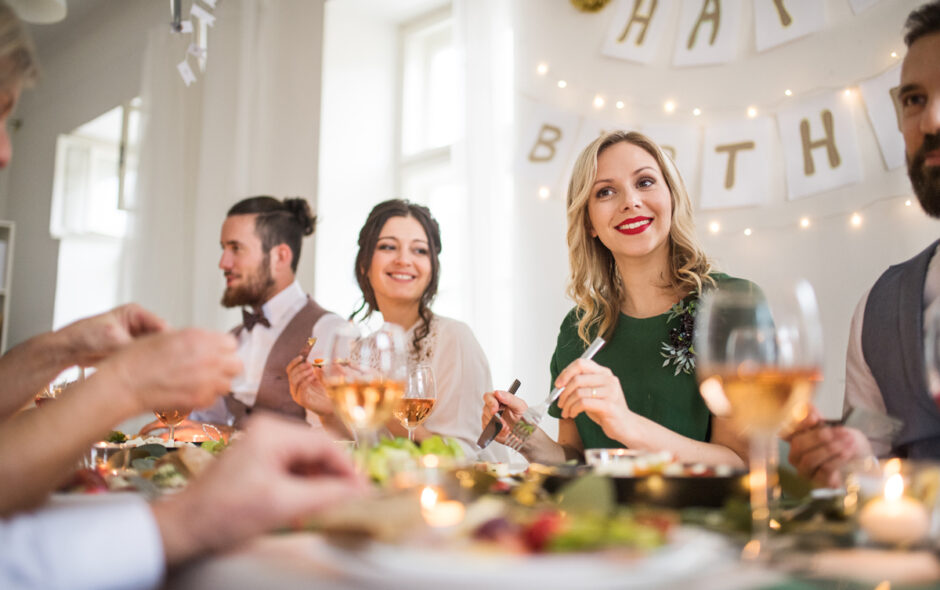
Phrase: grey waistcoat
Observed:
(893, 346)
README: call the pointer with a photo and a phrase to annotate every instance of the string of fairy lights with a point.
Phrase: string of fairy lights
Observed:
(670, 107)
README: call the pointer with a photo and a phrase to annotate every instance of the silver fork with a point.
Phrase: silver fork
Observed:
(526, 425)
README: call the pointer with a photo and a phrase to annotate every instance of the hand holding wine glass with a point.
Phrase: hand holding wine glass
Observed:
(758, 357)
(418, 402)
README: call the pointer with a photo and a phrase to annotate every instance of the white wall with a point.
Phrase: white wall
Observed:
(89, 71)
(841, 262)
(357, 142)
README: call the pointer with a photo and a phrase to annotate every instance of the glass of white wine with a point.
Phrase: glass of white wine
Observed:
(418, 402)
(365, 377)
(761, 354)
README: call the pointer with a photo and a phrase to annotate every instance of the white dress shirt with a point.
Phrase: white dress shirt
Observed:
(861, 389)
(255, 345)
(100, 543)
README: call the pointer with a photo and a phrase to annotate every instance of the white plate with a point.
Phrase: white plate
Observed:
(691, 552)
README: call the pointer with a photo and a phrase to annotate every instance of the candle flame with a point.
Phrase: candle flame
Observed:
(428, 498)
(430, 461)
(894, 487)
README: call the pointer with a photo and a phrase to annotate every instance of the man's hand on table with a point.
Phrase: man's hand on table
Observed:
(819, 452)
(278, 472)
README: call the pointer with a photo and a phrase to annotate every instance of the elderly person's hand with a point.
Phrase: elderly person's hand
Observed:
(277, 473)
(306, 387)
(594, 390)
(820, 452)
(89, 340)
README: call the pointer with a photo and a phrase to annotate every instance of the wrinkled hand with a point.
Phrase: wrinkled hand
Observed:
(92, 339)
(820, 452)
(306, 386)
(594, 390)
(174, 370)
(275, 474)
(493, 401)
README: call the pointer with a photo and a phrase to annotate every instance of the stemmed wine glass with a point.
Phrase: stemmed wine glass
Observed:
(759, 355)
(171, 419)
(932, 350)
(365, 377)
(418, 401)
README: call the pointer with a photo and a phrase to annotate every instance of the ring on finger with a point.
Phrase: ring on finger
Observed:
(593, 392)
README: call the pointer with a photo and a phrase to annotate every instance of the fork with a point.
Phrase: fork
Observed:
(526, 425)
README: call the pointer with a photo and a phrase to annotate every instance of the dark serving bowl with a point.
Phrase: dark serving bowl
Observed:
(667, 491)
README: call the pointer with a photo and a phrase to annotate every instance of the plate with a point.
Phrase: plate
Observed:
(690, 552)
(667, 491)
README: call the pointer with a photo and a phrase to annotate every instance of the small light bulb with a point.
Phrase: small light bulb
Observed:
(907, 203)
(544, 193)
(669, 106)
(894, 54)
(856, 220)
(696, 111)
(714, 227)
(562, 84)
(788, 92)
(847, 93)
(747, 231)
(751, 112)
(599, 102)
(542, 69)
(804, 222)
(620, 104)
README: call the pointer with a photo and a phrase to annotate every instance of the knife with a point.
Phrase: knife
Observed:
(494, 425)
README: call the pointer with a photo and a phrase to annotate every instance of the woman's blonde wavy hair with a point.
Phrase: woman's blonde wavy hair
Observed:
(596, 286)
(18, 63)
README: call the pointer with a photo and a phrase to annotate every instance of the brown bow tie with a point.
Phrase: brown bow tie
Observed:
(249, 319)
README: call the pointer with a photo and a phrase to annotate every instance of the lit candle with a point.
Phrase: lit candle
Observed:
(894, 519)
(438, 513)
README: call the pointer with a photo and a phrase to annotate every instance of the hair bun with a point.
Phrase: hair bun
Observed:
(300, 210)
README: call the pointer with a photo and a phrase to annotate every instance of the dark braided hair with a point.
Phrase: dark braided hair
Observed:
(279, 222)
(369, 237)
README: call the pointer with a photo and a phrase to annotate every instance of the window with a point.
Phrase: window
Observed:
(429, 120)
(95, 178)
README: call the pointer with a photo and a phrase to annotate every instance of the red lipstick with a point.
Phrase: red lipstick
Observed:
(639, 225)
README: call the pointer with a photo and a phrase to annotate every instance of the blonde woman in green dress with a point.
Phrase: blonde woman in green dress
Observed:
(636, 272)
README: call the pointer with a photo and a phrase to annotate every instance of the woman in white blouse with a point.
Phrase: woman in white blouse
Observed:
(397, 269)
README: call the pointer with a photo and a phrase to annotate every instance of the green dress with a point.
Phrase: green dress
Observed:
(634, 356)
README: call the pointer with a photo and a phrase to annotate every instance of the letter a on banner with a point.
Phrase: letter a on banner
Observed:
(709, 32)
(637, 29)
(736, 163)
(548, 136)
(779, 21)
(820, 145)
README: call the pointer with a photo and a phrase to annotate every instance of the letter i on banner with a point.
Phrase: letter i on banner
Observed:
(736, 163)
(820, 145)
(548, 136)
(637, 29)
(709, 32)
(776, 22)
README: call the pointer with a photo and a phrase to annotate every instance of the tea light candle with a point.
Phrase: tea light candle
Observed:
(440, 513)
(894, 519)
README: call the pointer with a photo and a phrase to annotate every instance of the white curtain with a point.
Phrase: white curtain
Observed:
(483, 160)
(249, 125)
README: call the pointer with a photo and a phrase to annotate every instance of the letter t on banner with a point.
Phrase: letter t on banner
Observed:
(736, 163)
(820, 145)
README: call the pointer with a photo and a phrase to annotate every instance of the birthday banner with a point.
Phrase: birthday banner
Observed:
(815, 136)
(709, 31)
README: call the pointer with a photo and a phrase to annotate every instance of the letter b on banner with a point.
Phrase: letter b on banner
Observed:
(548, 137)
(820, 145)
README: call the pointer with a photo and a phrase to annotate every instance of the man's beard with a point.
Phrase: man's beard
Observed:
(254, 292)
(924, 179)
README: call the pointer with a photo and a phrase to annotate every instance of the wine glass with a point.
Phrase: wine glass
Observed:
(365, 377)
(418, 401)
(171, 419)
(932, 350)
(759, 354)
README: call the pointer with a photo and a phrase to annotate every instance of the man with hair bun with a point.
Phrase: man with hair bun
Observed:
(261, 241)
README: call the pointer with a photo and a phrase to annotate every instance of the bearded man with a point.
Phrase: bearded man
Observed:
(261, 240)
(885, 361)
